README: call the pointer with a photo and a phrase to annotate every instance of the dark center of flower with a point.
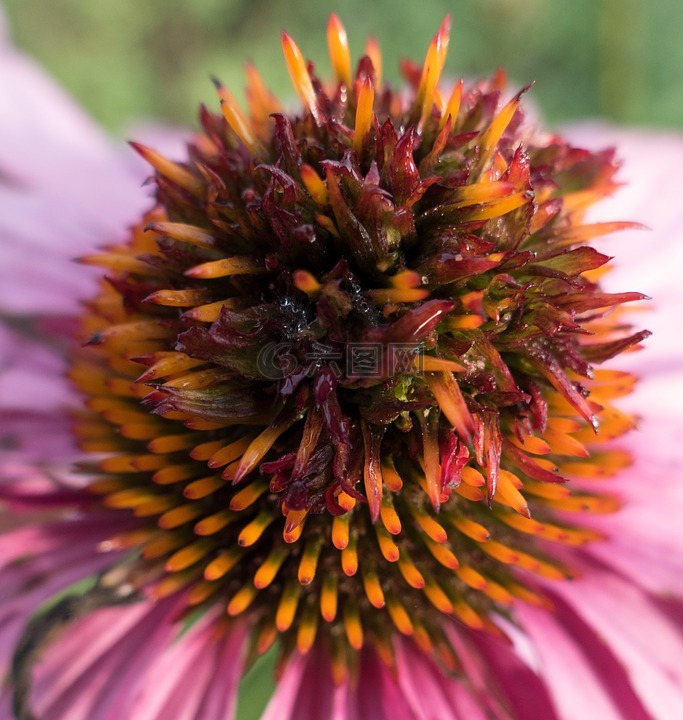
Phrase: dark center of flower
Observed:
(368, 332)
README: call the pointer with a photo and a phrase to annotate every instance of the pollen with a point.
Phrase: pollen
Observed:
(344, 378)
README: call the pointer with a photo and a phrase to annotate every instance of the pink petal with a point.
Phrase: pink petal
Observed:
(646, 642)
(574, 683)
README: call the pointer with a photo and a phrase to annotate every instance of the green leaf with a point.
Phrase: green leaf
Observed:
(256, 687)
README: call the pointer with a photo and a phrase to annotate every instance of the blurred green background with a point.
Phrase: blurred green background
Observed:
(128, 60)
(132, 59)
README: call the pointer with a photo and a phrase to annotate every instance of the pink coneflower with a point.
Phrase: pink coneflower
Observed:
(339, 389)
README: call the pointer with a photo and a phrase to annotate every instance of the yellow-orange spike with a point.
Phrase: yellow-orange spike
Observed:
(171, 443)
(340, 55)
(508, 493)
(237, 120)
(179, 516)
(441, 553)
(389, 516)
(269, 568)
(373, 588)
(373, 51)
(410, 573)
(522, 592)
(430, 526)
(286, 610)
(349, 557)
(298, 72)
(551, 572)
(364, 114)
(172, 583)
(248, 495)
(162, 545)
(203, 487)
(262, 102)
(503, 553)
(308, 628)
(133, 463)
(166, 364)
(447, 393)
(598, 504)
(211, 311)
(222, 564)
(128, 498)
(317, 189)
(492, 135)
(134, 538)
(453, 106)
(580, 200)
(229, 453)
(437, 597)
(195, 380)
(189, 555)
(214, 523)
(185, 233)
(390, 477)
(107, 485)
(464, 322)
(260, 446)
(205, 450)
(603, 465)
(422, 639)
(399, 616)
(435, 364)
(119, 263)
(498, 593)
(136, 330)
(552, 491)
(340, 531)
(309, 561)
(340, 668)
(531, 444)
(472, 529)
(471, 577)
(387, 546)
(346, 501)
(463, 611)
(329, 597)
(563, 444)
(384, 296)
(174, 172)
(525, 525)
(201, 591)
(236, 265)
(155, 506)
(328, 224)
(496, 208)
(173, 474)
(584, 233)
(481, 192)
(352, 624)
(177, 298)
(241, 600)
(471, 476)
(431, 70)
(253, 530)
(405, 280)
(267, 635)
(144, 430)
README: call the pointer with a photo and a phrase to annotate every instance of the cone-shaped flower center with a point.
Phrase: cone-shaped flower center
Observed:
(343, 372)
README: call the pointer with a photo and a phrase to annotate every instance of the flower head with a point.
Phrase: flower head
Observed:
(343, 380)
